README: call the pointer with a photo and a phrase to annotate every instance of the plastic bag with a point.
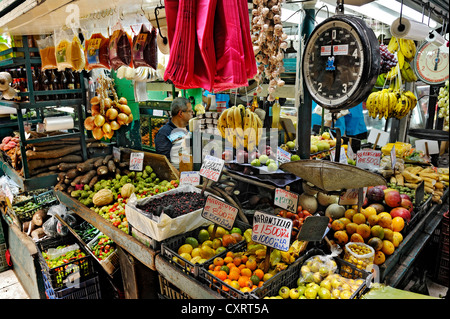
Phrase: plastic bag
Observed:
(359, 254)
(96, 52)
(120, 48)
(145, 50)
(47, 52)
(69, 51)
(53, 253)
(53, 226)
(317, 268)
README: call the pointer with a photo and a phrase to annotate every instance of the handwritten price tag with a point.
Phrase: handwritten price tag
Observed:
(136, 161)
(283, 156)
(212, 168)
(285, 199)
(272, 231)
(368, 159)
(351, 196)
(190, 178)
(219, 212)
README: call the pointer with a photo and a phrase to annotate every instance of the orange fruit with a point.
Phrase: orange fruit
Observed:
(230, 254)
(243, 281)
(228, 260)
(349, 213)
(388, 247)
(398, 224)
(222, 275)
(235, 284)
(246, 289)
(341, 237)
(350, 228)
(251, 264)
(359, 218)
(217, 268)
(234, 275)
(246, 272)
(345, 220)
(337, 225)
(241, 266)
(356, 238)
(259, 273)
(218, 261)
(237, 261)
(379, 257)
(231, 265)
(211, 266)
(261, 283)
(228, 282)
(373, 220)
(244, 258)
(397, 239)
(369, 211)
(363, 230)
(388, 234)
(385, 220)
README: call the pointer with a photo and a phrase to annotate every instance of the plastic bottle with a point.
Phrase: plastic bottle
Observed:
(254, 103)
(276, 108)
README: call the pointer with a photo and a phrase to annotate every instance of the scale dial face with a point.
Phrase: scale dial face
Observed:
(431, 64)
(336, 63)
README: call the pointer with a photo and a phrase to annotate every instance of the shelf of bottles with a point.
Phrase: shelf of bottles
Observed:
(38, 90)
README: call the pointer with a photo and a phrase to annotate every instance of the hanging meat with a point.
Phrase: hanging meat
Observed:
(269, 41)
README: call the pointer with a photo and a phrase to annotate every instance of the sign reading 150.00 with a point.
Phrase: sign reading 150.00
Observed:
(272, 231)
(219, 212)
(212, 167)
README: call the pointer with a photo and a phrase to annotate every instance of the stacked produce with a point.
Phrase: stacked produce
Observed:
(443, 105)
(108, 114)
(269, 41)
(103, 248)
(243, 127)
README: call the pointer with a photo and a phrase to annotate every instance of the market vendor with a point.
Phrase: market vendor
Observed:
(172, 136)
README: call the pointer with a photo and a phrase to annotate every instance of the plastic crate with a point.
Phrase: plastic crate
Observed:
(289, 277)
(74, 271)
(169, 291)
(88, 289)
(46, 198)
(112, 262)
(169, 250)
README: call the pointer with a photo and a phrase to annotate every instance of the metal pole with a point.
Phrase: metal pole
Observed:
(305, 106)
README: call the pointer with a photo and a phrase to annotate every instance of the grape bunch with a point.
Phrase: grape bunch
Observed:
(443, 105)
(388, 59)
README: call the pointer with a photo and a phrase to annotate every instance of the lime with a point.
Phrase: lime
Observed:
(255, 280)
(225, 268)
(191, 241)
(236, 230)
(203, 235)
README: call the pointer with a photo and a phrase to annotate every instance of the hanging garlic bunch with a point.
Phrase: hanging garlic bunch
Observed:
(269, 41)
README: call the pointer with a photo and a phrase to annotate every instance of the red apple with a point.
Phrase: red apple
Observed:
(401, 212)
(227, 155)
(392, 198)
(405, 196)
(406, 203)
(242, 156)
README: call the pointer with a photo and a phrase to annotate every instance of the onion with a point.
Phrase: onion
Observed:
(130, 118)
(106, 128)
(99, 120)
(95, 100)
(114, 125)
(95, 109)
(109, 135)
(125, 109)
(108, 102)
(111, 114)
(122, 118)
(89, 123)
(97, 133)
(123, 100)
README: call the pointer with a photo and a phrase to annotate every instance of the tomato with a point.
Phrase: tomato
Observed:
(299, 208)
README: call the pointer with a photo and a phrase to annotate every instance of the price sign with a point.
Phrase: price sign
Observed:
(419, 194)
(313, 229)
(219, 212)
(342, 156)
(272, 231)
(351, 196)
(283, 156)
(136, 161)
(190, 178)
(393, 157)
(368, 159)
(212, 167)
(378, 137)
(285, 199)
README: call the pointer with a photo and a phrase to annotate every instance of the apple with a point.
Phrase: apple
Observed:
(405, 196)
(227, 155)
(272, 167)
(295, 157)
(284, 292)
(294, 293)
(406, 203)
(263, 159)
(402, 212)
(242, 156)
(256, 162)
(291, 145)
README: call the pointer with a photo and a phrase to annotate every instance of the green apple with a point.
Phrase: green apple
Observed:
(272, 167)
(301, 289)
(270, 160)
(294, 293)
(310, 293)
(324, 293)
(295, 157)
(284, 292)
(255, 162)
(263, 159)
(291, 145)
(314, 149)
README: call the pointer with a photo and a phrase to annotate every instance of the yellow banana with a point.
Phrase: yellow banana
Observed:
(400, 59)
(247, 126)
(230, 117)
(370, 104)
(392, 101)
(393, 45)
(238, 122)
(222, 122)
(252, 133)
(407, 49)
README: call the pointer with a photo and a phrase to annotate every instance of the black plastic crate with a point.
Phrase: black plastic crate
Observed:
(289, 276)
(88, 289)
(63, 275)
(169, 249)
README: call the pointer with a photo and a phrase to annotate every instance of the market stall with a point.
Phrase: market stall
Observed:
(260, 205)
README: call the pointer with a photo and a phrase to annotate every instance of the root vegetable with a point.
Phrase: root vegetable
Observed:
(53, 153)
(106, 159)
(102, 170)
(76, 180)
(38, 233)
(72, 173)
(88, 176)
(111, 166)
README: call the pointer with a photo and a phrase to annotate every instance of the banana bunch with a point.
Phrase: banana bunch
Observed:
(389, 103)
(241, 127)
(406, 50)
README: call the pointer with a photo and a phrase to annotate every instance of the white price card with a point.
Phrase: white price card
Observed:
(272, 231)
(116, 153)
(368, 159)
(283, 156)
(382, 136)
(219, 212)
(212, 167)
(285, 199)
(351, 196)
(190, 178)
(433, 146)
(342, 156)
(136, 161)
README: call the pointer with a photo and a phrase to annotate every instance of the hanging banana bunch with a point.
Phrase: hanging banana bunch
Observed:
(406, 50)
(241, 127)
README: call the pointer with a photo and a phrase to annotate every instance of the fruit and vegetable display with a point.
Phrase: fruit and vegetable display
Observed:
(103, 248)
(442, 104)
(109, 112)
(175, 205)
(319, 279)
(66, 257)
(244, 126)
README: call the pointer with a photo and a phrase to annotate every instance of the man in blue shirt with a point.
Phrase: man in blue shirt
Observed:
(174, 131)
